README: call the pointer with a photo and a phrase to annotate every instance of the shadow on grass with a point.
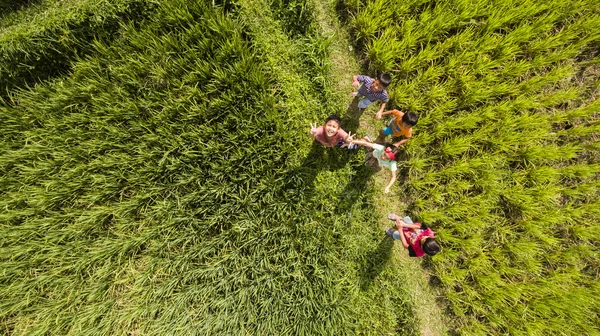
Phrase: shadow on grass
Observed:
(7, 7)
(428, 267)
(351, 119)
(55, 57)
(319, 158)
(354, 189)
(376, 260)
(15, 5)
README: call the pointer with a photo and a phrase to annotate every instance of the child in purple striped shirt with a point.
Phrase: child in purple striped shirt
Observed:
(372, 89)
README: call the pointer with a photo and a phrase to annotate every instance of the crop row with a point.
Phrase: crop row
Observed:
(504, 162)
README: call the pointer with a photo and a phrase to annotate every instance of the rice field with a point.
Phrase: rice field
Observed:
(157, 176)
(161, 182)
(506, 158)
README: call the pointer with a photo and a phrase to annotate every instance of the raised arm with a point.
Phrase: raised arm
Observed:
(363, 143)
(381, 113)
(355, 80)
(401, 142)
(313, 130)
(382, 108)
(387, 189)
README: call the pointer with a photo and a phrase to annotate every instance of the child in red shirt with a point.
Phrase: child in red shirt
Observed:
(417, 238)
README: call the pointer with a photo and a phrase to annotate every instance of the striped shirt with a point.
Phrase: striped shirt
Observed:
(365, 90)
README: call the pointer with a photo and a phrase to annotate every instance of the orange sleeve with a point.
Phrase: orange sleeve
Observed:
(397, 114)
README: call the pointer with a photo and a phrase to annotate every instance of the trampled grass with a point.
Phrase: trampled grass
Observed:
(164, 186)
(505, 158)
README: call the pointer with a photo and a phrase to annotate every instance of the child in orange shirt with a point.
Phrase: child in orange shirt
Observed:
(400, 125)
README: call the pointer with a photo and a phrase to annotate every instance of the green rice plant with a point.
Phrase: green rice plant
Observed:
(376, 17)
(456, 146)
(385, 50)
(295, 15)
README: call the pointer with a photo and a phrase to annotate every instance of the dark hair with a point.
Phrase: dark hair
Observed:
(410, 118)
(431, 246)
(334, 117)
(384, 79)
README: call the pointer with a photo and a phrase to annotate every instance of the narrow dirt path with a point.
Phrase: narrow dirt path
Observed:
(415, 278)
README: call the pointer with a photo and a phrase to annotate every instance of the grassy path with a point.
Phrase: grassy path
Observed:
(415, 278)
(283, 56)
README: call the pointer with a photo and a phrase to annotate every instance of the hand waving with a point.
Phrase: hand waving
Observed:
(313, 129)
(350, 137)
(348, 141)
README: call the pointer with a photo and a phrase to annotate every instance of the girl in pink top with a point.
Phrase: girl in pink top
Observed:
(417, 238)
(330, 134)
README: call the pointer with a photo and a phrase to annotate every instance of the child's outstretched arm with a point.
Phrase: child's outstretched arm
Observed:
(381, 113)
(387, 189)
(355, 81)
(363, 143)
(382, 108)
(401, 142)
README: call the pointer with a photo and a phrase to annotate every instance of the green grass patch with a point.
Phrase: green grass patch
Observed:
(42, 41)
(10, 11)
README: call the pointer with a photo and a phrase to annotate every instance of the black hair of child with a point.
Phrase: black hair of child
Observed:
(410, 118)
(431, 246)
(385, 79)
(334, 117)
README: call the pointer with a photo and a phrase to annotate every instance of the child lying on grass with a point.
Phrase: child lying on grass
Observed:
(416, 237)
(331, 134)
(385, 155)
